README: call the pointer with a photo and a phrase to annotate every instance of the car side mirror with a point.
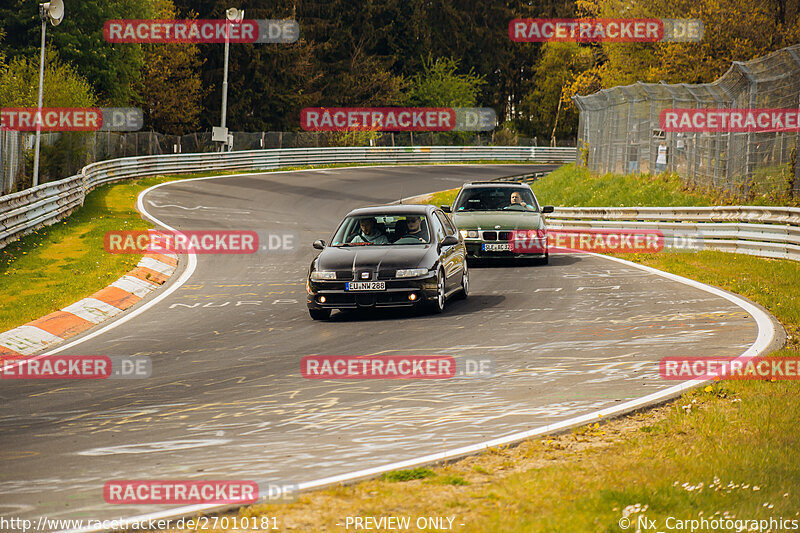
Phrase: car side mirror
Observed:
(548, 209)
(446, 208)
(319, 244)
(450, 240)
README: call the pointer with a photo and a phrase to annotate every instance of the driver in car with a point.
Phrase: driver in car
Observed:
(516, 199)
(415, 228)
(370, 233)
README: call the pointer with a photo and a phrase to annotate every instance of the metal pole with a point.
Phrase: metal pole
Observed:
(2, 166)
(39, 110)
(225, 76)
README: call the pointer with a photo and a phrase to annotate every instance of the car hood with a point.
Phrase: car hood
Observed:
(375, 257)
(489, 220)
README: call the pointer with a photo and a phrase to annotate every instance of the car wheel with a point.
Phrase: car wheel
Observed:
(320, 314)
(544, 260)
(438, 303)
(464, 292)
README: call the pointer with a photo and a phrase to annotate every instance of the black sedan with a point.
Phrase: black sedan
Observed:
(389, 256)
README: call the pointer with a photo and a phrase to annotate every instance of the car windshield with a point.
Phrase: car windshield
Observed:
(496, 199)
(383, 230)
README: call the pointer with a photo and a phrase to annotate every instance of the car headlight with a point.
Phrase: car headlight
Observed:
(411, 272)
(323, 274)
(472, 234)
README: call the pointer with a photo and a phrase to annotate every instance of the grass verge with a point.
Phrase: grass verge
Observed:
(571, 186)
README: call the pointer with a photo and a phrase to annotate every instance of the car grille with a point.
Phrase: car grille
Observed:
(347, 275)
(496, 235)
(366, 300)
(387, 274)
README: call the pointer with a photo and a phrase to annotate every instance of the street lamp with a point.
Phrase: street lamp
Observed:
(54, 12)
(233, 15)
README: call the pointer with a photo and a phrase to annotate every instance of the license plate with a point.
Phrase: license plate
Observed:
(365, 286)
(499, 247)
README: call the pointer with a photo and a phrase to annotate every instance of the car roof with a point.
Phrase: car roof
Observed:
(394, 209)
(509, 184)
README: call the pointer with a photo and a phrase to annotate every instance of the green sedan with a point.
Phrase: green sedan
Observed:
(500, 220)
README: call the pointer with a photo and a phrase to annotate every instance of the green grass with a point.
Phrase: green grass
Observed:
(407, 475)
(771, 186)
(443, 197)
(58, 265)
(448, 480)
(571, 186)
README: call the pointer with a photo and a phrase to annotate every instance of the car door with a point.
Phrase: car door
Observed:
(451, 256)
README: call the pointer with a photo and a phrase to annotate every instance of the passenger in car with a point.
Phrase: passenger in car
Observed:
(370, 233)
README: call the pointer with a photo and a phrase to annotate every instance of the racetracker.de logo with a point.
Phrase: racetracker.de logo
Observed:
(568, 241)
(705, 368)
(398, 119)
(201, 31)
(586, 30)
(730, 120)
(378, 118)
(378, 367)
(615, 30)
(71, 119)
(181, 242)
(180, 492)
(76, 367)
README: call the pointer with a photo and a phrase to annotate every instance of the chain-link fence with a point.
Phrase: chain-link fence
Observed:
(619, 130)
(11, 159)
(64, 154)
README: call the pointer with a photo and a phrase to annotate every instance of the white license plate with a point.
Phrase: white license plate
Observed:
(365, 286)
(499, 247)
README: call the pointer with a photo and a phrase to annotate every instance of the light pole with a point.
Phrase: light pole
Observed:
(54, 12)
(233, 15)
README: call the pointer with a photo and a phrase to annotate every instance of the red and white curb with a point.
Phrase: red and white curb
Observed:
(152, 271)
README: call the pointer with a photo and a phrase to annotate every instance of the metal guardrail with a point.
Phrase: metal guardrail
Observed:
(763, 231)
(22, 212)
(736, 213)
(754, 230)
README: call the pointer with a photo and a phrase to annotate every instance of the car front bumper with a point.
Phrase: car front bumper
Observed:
(475, 249)
(396, 294)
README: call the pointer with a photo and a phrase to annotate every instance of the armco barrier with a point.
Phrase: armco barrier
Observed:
(22, 212)
(754, 230)
(763, 231)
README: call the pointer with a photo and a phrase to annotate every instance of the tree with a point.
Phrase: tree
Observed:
(63, 86)
(170, 89)
(111, 69)
(268, 84)
(735, 30)
(440, 85)
(548, 104)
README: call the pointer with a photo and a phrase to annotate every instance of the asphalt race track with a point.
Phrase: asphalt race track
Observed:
(226, 399)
